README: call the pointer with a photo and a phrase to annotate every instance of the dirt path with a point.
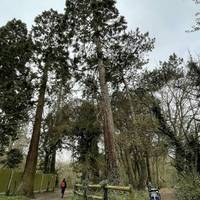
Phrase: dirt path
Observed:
(53, 196)
(167, 194)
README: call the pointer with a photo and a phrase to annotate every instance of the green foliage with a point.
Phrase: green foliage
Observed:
(50, 40)
(127, 57)
(194, 72)
(138, 136)
(66, 170)
(188, 188)
(168, 70)
(15, 79)
(51, 45)
(14, 158)
(85, 130)
(123, 52)
(105, 52)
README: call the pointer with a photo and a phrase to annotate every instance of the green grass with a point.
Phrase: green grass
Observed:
(72, 198)
(137, 195)
(12, 198)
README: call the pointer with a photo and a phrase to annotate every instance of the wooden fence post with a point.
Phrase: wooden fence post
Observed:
(48, 183)
(54, 183)
(85, 192)
(131, 192)
(74, 189)
(14, 189)
(41, 183)
(105, 192)
(9, 183)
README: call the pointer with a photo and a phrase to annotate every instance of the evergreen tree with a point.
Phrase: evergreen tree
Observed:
(169, 70)
(127, 57)
(15, 80)
(50, 57)
(97, 24)
(194, 74)
(84, 138)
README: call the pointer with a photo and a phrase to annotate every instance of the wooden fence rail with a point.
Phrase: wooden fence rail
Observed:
(83, 191)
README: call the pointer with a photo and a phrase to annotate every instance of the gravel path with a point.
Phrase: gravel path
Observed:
(53, 196)
(167, 194)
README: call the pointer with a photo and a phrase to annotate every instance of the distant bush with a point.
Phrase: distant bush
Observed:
(188, 188)
(14, 158)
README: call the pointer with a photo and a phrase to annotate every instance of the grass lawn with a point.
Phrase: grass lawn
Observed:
(137, 195)
(12, 198)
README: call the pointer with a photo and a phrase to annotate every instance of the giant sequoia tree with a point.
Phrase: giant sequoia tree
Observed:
(50, 58)
(97, 24)
(15, 80)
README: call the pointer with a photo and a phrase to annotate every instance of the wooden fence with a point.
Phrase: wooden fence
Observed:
(87, 191)
(11, 179)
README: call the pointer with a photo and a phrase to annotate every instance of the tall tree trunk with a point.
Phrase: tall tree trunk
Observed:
(129, 98)
(46, 163)
(93, 162)
(143, 174)
(130, 167)
(157, 172)
(46, 151)
(126, 165)
(111, 157)
(52, 133)
(53, 161)
(137, 167)
(31, 161)
(148, 167)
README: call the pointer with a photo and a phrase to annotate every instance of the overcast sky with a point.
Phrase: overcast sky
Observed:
(166, 20)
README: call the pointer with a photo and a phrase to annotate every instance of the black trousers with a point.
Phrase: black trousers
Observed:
(62, 192)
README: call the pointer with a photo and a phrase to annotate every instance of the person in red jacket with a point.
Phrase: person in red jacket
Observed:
(63, 186)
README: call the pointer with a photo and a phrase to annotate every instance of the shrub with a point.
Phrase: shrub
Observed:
(14, 158)
(188, 188)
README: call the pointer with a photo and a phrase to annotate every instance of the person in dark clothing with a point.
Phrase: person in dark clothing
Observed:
(63, 186)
